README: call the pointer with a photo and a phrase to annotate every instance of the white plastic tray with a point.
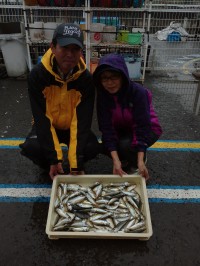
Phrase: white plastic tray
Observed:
(87, 180)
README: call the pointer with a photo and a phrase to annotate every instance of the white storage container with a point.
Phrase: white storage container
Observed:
(109, 36)
(36, 31)
(96, 33)
(49, 28)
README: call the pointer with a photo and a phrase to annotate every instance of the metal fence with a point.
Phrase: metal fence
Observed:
(171, 63)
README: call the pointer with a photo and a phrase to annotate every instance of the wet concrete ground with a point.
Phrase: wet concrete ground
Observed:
(176, 227)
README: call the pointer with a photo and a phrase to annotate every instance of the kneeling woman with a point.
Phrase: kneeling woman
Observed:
(126, 116)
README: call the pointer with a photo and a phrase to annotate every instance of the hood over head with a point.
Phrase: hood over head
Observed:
(111, 62)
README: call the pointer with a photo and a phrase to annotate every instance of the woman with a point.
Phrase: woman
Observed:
(126, 116)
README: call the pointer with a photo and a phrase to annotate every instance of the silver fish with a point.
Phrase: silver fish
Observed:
(98, 210)
(111, 201)
(102, 201)
(64, 188)
(124, 184)
(90, 199)
(59, 191)
(60, 228)
(123, 219)
(132, 202)
(77, 199)
(63, 221)
(95, 217)
(84, 205)
(113, 207)
(73, 187)
(131, 187)
(74, 194)
(91, 193)
(57, 203)
(120, 226)
(94, 185)
(139, 230)
(132, 210)
(135, 227)
(82, 223)
(61, 213)
(100, 222)
(111, 222)
(106, 215)
(98, 190)
(79, 229)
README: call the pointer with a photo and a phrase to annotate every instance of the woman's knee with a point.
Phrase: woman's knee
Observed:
(124, 146)
(93, 147)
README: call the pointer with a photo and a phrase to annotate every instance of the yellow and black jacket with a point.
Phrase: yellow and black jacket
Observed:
(62, 105)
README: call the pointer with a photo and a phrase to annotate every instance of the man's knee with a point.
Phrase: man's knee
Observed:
(30, 146)
(32, 150)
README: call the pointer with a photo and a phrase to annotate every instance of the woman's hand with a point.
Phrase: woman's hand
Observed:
(55, 169)
(143, 171)
(117, 168)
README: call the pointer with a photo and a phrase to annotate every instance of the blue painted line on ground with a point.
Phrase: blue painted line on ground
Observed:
(12, 139)
(9, 147)
(156, 186)
(25, 199)
(47, 199)
(174, 149)
(25, 185)
(178, 141)
(171, 187)
(160, 200)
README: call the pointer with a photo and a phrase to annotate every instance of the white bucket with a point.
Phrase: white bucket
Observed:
(136, 30)
(109, 37)
(49, 28)
(15, 56)
(96, 33)
(36, 31)
(134, 66)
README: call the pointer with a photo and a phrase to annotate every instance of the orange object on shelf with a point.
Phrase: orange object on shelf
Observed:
(31, 2)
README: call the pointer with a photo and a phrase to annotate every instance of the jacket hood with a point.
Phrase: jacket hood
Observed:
(109, 62)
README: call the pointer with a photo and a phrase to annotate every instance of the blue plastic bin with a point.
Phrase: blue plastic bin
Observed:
(174, 37)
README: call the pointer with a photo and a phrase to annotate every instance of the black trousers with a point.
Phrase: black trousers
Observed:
(33, 151)
(128, 154)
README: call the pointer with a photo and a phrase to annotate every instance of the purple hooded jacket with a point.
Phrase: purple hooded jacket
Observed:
(127, 112)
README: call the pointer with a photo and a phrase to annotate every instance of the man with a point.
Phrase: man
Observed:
(62, 95)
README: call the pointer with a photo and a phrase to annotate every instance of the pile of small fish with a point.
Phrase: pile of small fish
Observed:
(113, 207)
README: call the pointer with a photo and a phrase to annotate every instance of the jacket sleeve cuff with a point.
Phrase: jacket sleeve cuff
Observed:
(55, 162)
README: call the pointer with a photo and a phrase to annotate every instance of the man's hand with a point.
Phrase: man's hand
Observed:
(55, 169)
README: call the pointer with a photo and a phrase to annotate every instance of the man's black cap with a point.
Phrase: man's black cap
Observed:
(68, 33)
